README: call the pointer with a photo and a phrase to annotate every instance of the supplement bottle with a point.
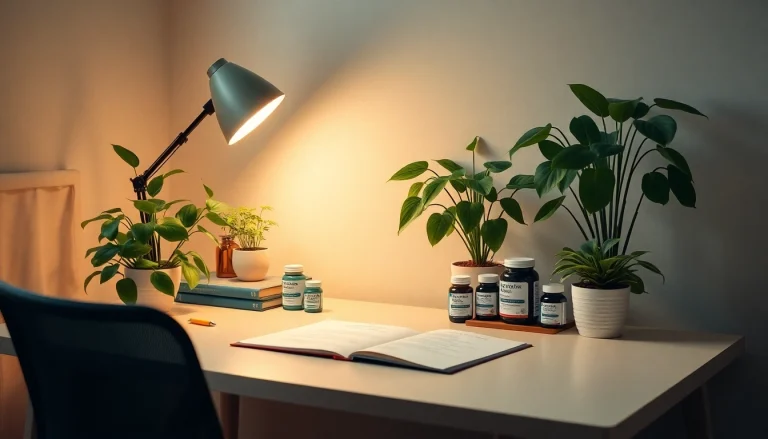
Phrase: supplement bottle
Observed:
(553, 307)
(313, 296)
(460, 299)
(293, 287)
(519, 292)
(487, 297)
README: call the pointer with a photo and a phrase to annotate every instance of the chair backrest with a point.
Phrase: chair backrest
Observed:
(107, 371)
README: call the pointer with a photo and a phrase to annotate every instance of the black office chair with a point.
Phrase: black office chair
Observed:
(107, 371)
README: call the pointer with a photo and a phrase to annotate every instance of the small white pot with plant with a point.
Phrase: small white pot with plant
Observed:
(251, 260)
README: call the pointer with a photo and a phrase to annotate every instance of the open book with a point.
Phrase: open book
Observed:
(443, 351)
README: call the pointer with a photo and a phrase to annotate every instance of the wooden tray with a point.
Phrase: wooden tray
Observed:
(498, 324)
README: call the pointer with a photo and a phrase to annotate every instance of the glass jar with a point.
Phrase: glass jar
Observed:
(519, 292)
(313, 296)
(224, 252)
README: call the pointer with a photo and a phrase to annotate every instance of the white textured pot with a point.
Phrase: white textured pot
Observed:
(600, 313)
(473, 272)
(250, 264)
(147, 294)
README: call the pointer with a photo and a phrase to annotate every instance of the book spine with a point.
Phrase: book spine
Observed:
(222, 302)
(214, 290)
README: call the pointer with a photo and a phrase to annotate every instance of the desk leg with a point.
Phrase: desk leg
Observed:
(696, 414)
(229, 408)
(30, 431)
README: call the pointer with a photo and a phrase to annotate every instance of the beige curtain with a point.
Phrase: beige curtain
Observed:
(39, 213)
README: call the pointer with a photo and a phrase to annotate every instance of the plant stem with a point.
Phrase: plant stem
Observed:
(627, 184)
(564, 136)
(583, 233)
(597, 228)
(632, 225)
(584, 212)
(605, 130)
(558, 139)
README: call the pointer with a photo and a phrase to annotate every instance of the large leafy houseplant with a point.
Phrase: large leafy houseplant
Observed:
(133, 244)
(473, 196)
(602, 163)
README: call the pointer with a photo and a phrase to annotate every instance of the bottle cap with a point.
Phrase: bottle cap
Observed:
(313, 283)
(294, 268)
(461, 279)
(553, 288)
(519, 262)
(488, 278)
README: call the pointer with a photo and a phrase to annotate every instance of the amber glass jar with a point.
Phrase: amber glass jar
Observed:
(224, 256)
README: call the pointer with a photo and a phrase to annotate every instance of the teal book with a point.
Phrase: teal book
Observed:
(236, 289)
(228, 302)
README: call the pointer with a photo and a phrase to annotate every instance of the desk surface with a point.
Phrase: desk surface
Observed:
(565, 384)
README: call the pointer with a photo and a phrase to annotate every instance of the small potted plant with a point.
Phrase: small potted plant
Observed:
(148, 278)
(476, 211)
(250, 261)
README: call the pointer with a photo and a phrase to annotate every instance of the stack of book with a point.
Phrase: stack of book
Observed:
(232, 293)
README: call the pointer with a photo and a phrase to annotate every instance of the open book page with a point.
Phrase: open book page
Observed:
(330, 336)
(442, 349)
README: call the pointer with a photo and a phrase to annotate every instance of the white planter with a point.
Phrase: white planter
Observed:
(473, 272)
(250, 265)
(147, 294)
(600, 313)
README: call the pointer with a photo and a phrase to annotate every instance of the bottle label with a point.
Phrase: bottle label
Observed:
(513, 300)
(553, 313)
(536, 299)
(460, 304)
(293, 292)
(485, 304)
(313, 301)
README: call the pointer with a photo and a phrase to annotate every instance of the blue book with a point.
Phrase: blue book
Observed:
(236, 289)
(228, 302)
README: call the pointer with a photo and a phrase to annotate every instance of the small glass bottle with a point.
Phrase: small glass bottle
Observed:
(293, 287)
(553, 307)
(313, 296)
(519, 292)
(487, 297)
(460, 299)
(224, 252)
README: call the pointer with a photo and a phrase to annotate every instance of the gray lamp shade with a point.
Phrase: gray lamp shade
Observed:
(241, 99)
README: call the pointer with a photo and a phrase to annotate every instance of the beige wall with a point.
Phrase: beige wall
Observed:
(76, 76)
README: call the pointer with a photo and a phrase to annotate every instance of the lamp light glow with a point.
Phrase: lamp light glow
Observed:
(256, 120)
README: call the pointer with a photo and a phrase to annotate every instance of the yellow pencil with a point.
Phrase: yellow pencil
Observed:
(202, 322)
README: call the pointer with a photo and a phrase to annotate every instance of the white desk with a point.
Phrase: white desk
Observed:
(565, 386)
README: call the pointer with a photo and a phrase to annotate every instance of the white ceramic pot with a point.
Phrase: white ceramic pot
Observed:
(473, 272)
(147, 294)
(250, 264)
(600, 313)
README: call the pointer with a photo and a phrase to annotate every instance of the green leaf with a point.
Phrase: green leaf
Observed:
(212, 217)
(146, 206)
(531, 137)
(108, 272)
(88, 280)
(451, 211)
(459, 186)
(168, 205)
(609, 138)
(411, 209)
(190, 273)
(650, 267)
(438, 225)
(172, 231)
(142, 263)
(521, 182)
(155, 185)
(604, 150)
(591, 98)
(512, 208)
(187, 215)
(126, 155)
(410, 171)
(655, 186)
(549, 149)
(415, 189)
(109, 229)
(433, 189)
(91, 251)
(636, 285)
(208, 191)
(127, 291)
(676, 159)
(121, 238)
(493, 232)
(482, 186)
(641, 109)
(589, 247)
(681, 186)
(609, 244)
(105, 254)
(498, 166)
(208, 234)
(661, 129)
(548, 209)
(163, 283)
(458, 174)
(134, 249)
(574, 157)
(585, 130)
(621, 110)
(200, 263)
(173, 172)
(493, 195)
(215, 206)
(547, 178)
(567, 180)
(469, 215)
(142, 232)
(596, 188)
(449, 165)
(473, 144)
(103, 216)
(674, 105)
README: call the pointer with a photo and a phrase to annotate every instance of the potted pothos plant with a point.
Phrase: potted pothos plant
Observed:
(597, 170)
(147, 277)
(250, 261)
(476, 211)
